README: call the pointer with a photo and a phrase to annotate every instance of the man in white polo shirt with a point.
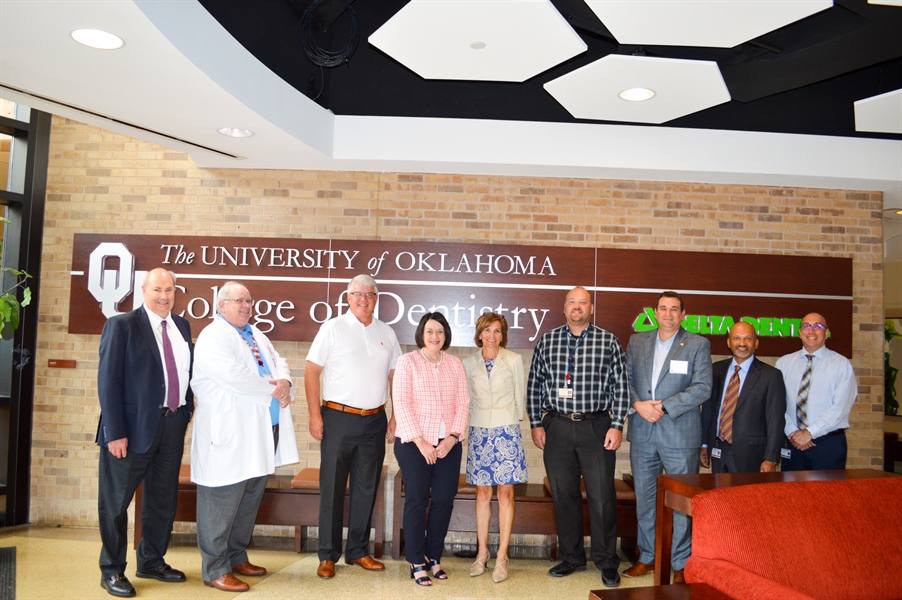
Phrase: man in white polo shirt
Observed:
(355, 354)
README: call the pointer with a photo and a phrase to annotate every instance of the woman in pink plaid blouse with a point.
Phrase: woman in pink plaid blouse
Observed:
(431, 407)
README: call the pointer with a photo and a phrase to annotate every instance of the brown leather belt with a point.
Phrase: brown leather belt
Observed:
(354, 411)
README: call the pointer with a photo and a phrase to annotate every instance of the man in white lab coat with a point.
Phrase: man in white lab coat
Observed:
(242, 431)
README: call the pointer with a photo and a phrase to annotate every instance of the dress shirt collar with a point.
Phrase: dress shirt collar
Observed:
(743, 366)
(156, 319)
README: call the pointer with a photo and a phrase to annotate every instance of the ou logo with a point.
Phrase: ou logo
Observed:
(110, 286)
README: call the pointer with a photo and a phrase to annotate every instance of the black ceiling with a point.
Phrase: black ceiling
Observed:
(802, 78)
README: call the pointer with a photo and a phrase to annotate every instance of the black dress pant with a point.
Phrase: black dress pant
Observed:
(828, 453)
(159, 469)
(574, 449)
(429, 492)
(352, 446)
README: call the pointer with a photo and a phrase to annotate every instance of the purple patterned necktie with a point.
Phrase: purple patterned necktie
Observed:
(172, 390)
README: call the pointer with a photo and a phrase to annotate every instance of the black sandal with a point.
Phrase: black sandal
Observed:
(440, 574)
(423, 579)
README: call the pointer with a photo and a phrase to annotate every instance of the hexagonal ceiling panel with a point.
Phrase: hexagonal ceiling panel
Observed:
(718, 24)
(880, 113)
(680, 87)
(499, 40)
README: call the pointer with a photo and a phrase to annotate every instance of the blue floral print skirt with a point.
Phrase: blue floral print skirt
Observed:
(495, 456)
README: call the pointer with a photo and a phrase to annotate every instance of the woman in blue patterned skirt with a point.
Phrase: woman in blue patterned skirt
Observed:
(495, 455)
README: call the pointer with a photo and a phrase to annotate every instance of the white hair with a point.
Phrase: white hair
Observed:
(225, 292)
(364, 280)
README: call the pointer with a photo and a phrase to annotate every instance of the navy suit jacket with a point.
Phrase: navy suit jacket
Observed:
(130, 380)
(759, 417)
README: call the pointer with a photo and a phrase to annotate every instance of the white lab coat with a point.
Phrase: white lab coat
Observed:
(232, 439)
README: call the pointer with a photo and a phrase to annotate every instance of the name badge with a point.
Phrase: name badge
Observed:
(785, 452)
(679, 367)
(715, 453)
(565, 392)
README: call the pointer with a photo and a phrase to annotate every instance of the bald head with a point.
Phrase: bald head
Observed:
(814, 332)
(742, 341)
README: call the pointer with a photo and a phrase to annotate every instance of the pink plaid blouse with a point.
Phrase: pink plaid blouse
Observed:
(423, 394)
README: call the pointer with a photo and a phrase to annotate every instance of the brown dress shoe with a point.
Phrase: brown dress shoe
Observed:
(367, 562)
(326, 569)
(639, 569)
(228, 583)
(678, 576)
(246, 568)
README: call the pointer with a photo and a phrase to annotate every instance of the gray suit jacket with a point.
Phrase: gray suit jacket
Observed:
(682, 393)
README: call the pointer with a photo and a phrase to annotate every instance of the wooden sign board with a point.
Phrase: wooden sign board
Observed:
(299, 283)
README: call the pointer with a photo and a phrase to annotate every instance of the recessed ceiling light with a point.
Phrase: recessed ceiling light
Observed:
(477, 45)
(95, 38)
(236, 132)
(637, 94)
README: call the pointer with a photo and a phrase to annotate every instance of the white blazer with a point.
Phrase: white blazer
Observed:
(232, 439)
(497, 400)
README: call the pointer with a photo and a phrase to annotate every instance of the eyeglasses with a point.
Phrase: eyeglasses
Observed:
(814, 326)
(247, 301)
(359, 295)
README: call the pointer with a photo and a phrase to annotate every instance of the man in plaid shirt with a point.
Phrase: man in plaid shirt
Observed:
(577, 400)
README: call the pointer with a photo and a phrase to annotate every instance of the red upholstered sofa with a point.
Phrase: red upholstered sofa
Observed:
(800, 540)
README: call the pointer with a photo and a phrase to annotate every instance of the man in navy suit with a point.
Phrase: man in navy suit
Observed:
(670, 377)
(145, 406)
(745, 435)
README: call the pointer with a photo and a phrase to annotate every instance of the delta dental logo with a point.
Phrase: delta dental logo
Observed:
(720, 325)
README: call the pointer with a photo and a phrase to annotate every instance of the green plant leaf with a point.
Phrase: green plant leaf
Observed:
(6, 314)
(26, 297)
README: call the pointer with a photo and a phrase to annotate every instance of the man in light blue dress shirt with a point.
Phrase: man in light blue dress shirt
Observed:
(816, 425)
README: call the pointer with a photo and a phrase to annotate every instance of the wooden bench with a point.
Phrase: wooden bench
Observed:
(307, 481)
(287, 500)
(534, 513)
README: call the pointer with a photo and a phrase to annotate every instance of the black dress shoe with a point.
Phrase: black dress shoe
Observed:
(162, 573)
(118, 585)
(565, 568)
(610, 578)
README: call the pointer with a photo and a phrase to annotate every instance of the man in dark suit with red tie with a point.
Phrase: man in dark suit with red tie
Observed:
(145, 406)
(742, 421)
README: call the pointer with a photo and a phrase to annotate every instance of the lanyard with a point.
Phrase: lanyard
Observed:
(571, 356)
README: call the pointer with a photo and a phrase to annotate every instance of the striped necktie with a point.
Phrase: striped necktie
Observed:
(729, 407)
(802, 400)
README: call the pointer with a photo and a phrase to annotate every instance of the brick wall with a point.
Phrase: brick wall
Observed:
(101, 182)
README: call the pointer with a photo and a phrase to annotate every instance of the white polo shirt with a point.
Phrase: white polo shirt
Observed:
(356, 360)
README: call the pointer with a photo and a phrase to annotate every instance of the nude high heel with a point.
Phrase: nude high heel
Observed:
(478, 567)
(500, 573)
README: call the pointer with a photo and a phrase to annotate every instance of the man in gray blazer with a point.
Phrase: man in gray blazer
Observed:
(669, 377)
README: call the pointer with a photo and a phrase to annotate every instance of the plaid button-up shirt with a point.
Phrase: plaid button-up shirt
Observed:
(598, 375)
